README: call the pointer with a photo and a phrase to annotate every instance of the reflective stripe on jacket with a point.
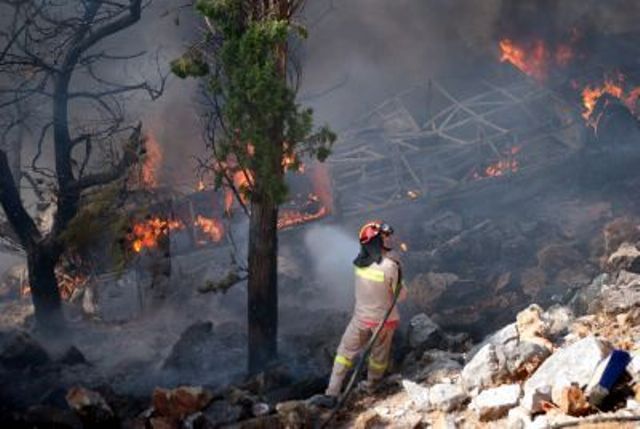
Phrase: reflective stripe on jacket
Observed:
(374, 290)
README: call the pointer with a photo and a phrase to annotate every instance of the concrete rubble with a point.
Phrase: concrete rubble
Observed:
(494, 403)
(538, 371)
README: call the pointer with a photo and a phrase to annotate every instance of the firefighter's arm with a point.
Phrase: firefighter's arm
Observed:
(402, 296)
(398, 282)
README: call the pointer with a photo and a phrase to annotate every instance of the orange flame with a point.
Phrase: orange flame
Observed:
(290, 217)
(242, 180)
(533, 62)
(501, 167)
(289, 161)
(319, 203)
(145, 235)
(212, 228)
(536, 58)
(67, 284)
(613, 87)
(152, 161)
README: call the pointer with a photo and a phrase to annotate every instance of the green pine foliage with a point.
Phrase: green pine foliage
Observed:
(258, 108)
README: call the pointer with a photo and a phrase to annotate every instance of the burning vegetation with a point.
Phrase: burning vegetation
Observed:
(616, 88)
(310, 200)
(151, 162)
(145, 234)
(538, 58)
(507, 165)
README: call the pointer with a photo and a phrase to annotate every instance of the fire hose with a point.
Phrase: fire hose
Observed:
(343, 398)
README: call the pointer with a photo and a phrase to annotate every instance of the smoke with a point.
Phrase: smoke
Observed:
(360, 52)
(331, 251)
(164, 33)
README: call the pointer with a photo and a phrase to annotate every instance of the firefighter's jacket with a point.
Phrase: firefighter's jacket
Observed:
(374, 290)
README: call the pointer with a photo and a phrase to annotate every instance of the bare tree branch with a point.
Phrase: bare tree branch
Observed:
(128, 158)
(13, 207)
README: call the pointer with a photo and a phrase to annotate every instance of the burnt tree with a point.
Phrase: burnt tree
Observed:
(259, 131)
(51, 65)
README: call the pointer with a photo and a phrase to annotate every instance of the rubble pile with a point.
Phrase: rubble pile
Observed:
(568, 366)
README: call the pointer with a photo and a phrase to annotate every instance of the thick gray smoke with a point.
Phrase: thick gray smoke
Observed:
(331, 251)
(368, 50)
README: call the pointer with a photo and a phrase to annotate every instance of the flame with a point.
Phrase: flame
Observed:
(242, 180)
(291, 161)
(291, 217)
(532, 61)
(322, 185)
(152, 161)
(501, 167)
(613, 87)
(145, 235)
(509, 164)
(212, 228)
(536, 58)
(201, 186)
(404, 247)
(67, 284)
(318, 204)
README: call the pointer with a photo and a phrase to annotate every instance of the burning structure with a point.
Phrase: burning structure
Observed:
(440, 138)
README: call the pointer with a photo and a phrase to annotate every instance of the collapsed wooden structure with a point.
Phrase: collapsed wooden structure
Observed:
(450, 135)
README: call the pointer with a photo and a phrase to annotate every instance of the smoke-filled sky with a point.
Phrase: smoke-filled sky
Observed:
(381, 47)
(367, 49)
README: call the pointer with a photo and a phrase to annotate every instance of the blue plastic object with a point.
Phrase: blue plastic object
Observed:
(616, 365)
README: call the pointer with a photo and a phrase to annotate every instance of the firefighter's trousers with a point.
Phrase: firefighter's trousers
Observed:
(354, 339)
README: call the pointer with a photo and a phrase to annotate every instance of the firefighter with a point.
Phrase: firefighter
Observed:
(377, 275)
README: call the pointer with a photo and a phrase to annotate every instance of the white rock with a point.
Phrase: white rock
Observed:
(518, 418)
(525, 357)
(632, 404)
(419, 395)
(634, 366)
(505, 335)
(447, 397)
(560, 383)
(540, 422)
(503, 356)
(622, 295)
(483, 369)
(494, 403)
(532, 399)
(574, 363)
(558, 319)
(446, 421)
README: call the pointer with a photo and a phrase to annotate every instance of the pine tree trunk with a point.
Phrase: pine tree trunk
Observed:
(263, 285)
(41, 263)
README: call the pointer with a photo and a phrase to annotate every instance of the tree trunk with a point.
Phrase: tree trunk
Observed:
(41, 263)
(263, 285)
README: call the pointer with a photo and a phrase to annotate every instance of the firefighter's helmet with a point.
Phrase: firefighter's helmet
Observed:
(373, 229)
